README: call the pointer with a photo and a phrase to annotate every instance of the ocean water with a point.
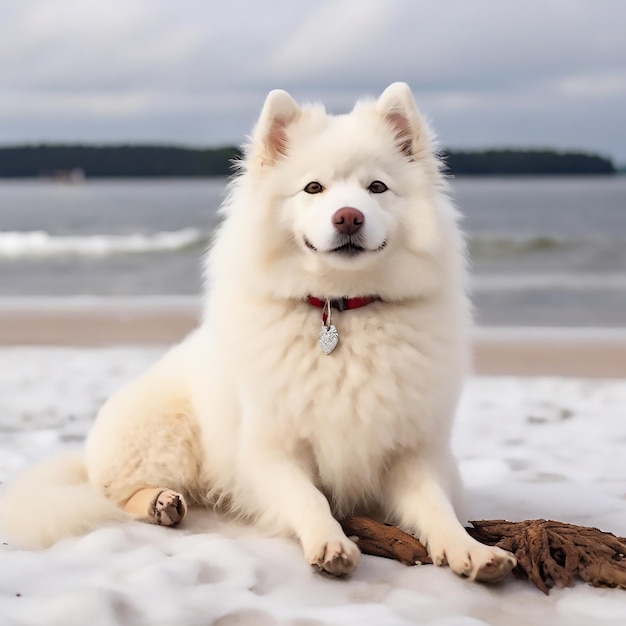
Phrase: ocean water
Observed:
(544, 251)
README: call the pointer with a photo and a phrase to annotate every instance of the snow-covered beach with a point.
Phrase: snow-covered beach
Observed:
(529, 447)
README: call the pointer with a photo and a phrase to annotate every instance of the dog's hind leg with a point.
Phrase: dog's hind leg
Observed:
(144, 452)
(157, 506)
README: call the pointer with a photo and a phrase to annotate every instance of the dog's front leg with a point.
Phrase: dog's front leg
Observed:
(418, 499)
(283, 493)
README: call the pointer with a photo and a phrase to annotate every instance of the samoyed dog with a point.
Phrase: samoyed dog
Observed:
(325, 375)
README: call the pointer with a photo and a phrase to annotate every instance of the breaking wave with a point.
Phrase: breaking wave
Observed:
(498, 246)
(38, 243)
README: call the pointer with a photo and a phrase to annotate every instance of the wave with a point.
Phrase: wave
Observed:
(502, 245)
(38, 243)
(556, 282)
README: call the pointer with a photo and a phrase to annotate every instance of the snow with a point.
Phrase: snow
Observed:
(535, 447)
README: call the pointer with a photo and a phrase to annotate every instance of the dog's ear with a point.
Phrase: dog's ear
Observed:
(270, 137)
(397, 106)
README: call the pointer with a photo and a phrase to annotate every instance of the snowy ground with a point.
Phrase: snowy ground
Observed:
(529, 448)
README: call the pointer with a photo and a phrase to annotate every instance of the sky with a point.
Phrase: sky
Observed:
(488, 73)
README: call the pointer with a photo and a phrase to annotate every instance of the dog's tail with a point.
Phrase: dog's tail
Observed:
(53, 500)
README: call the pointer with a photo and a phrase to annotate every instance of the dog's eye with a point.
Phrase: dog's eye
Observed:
(314, 187)
(378, 187)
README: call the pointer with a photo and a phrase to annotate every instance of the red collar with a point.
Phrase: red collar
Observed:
(343, 304)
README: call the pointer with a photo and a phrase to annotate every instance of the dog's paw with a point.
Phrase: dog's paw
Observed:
(492, 565)
(476, 561)
(168, 508)
(337, 556)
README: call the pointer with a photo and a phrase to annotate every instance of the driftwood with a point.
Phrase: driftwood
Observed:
(385, 540)
(548, 553)
(554, 553)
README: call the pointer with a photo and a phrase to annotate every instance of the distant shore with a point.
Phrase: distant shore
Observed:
(71, 163)
(498, 351)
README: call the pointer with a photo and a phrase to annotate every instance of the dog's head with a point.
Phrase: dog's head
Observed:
(348, 204)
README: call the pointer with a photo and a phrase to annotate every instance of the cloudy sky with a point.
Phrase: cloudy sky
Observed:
(487, 72)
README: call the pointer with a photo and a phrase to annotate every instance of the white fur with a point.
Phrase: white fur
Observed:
(53, 500)
(249, 413)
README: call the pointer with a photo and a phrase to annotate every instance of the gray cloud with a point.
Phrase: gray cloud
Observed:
(486, 72)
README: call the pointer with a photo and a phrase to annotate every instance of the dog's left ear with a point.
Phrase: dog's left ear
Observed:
(270, 136)
(411, 130)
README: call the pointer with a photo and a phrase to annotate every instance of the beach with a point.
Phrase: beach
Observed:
(540, 434)
(98, 279)
(499, 351)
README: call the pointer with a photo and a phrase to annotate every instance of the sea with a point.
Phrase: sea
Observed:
(545, 251)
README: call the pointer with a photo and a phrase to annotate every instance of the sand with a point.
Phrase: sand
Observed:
(91, 322)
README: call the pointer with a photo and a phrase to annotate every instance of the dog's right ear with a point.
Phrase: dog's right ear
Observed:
(270, 136)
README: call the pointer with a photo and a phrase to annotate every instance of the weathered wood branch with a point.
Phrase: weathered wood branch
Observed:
(548, 553)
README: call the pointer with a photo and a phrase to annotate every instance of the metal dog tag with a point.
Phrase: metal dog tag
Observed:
(328, 338)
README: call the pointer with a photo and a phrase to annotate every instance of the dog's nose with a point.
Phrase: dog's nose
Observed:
(348, 220)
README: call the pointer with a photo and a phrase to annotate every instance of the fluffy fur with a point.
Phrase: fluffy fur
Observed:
(248, 413)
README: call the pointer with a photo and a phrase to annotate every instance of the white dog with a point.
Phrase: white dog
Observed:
(324, 378)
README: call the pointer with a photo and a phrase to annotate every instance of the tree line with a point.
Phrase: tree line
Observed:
(526, 162)
(169, 161)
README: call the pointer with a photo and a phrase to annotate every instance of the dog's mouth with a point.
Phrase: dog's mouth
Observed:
(347, 248)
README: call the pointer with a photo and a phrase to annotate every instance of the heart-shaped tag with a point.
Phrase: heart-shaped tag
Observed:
(328, 338)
